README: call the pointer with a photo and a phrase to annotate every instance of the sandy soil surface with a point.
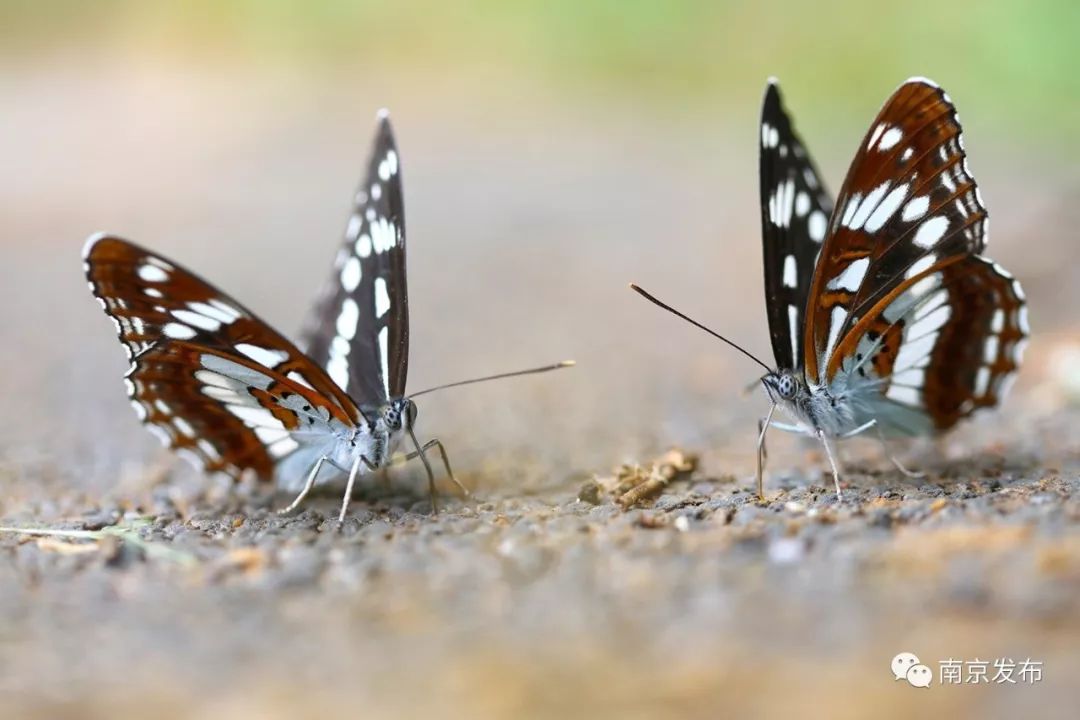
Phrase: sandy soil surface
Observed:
(541, 595)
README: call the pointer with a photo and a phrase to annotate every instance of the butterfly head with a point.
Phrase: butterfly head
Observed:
(399, 413)
(782, 386)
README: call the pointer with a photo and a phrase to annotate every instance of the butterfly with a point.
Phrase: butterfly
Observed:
(883, 313)
(224, 389)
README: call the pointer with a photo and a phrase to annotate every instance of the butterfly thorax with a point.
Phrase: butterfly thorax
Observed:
(826, 408)
(379, 436)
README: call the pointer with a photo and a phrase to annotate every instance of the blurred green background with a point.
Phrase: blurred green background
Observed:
(1015, 61)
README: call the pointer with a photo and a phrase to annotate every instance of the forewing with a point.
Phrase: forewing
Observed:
(210, 378)
(908, 203)
(359, 328)
(795, 210)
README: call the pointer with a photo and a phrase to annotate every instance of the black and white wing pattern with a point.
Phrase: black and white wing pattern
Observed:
(359, 329)
(795, 211)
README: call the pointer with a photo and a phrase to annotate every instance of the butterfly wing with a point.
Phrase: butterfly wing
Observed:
(795, 210)
(212, 380)
(900, 297)
(359, 328)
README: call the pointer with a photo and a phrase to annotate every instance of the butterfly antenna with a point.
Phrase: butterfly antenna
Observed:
(695, 323)
(530, 371)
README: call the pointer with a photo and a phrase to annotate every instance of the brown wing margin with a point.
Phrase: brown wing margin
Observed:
(982, 345)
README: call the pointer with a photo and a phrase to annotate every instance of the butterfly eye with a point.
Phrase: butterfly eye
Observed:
(786, 386)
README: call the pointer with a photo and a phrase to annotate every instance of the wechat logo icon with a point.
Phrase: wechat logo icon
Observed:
(906, 666)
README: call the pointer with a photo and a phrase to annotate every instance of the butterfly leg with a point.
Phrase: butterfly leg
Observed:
(308, 484)
(832, 463)
(913, 474)
(860, 430)
(349, 486)
(430, 472)
(763, 427)
(435, 442)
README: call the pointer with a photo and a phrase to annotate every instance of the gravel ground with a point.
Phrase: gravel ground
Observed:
(548, 592)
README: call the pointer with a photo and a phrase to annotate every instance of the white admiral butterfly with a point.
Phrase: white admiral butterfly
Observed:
(883, 314)
(223, 388)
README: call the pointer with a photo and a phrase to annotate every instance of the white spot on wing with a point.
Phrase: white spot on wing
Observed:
(876, 134)
(363, 246)
(903, 394)
(353, 228)
(790, 272)
(283, 447)
(982, 380)
(176, 331)
(931, 231)
(240, 374)
(139, 409)
(383, 234)
(867, 206)
(222, 314)
(271, 435)
(384, 356)
(816, 225)
(793, 330)
(931, 322)
(183, 426)
(911, 352)
(348, 318)
(931, 303)
(997, 322)
(852, 276)
(263, 356)
(255, 417)
(337, 367)
(229, 310)
(207, 377)
(382, 298)
(802, 204)
(151, 273)
(850, 208)
(887, 208)
(836, 320)
(197, 319)
(890, 137)
(208, 449)
(916, 208)
(350, 274)
(913, 377)
(785, 208)
(919, 266)
(300, 379)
